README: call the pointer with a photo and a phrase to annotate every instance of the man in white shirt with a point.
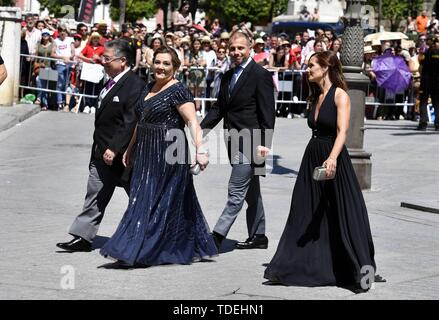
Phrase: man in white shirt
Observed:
(33, 35)
(433, 23)
(209, 56)
(64, 50)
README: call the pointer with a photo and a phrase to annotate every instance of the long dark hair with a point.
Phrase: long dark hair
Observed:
(327, 59)
(183, 4)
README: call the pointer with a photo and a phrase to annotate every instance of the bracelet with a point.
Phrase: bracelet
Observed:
(202, 150)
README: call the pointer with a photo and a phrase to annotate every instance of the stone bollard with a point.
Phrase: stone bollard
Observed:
(352, 54)
(10, 35)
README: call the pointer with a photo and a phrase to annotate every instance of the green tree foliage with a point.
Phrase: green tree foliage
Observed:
(60, 9)
(235, 11)
(135, 9)
(397, 10)
(7, 3)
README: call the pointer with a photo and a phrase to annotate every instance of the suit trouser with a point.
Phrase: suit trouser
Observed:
(243, 186)
(100, 188)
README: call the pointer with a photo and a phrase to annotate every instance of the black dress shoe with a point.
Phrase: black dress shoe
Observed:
(76, 245)
(258, 241)
(422, 127)
(218, 238)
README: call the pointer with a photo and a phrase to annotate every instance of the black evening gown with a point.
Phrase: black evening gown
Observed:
(163, 222)
(327, 238)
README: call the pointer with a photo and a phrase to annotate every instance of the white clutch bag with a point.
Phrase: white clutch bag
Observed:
(319, 174)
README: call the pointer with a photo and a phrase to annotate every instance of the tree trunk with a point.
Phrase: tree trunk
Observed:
(122, 10)
(193, 7)
(165, 17)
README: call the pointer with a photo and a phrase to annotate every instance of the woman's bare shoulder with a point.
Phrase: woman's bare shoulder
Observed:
(341, 96)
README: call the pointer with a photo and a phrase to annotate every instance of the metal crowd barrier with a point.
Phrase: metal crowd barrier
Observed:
(377, 97)
(48, 79)
(290, 85)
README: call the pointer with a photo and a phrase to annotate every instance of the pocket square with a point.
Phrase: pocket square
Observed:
(116, 99)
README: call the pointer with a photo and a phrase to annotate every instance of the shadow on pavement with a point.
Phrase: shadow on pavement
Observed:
(277, 169)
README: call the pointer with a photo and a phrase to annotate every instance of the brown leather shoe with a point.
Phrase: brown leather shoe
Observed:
(258, 241)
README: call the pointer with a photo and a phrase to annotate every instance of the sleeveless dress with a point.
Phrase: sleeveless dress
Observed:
(327, 238)
(164, 222)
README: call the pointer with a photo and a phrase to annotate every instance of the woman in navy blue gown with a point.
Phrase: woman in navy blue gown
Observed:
(163, 222)
(327, 238)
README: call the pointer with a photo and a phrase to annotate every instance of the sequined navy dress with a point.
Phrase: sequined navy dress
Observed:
(163, 222)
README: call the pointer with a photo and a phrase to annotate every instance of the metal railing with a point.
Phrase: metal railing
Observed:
(291, 86)
(43, 76)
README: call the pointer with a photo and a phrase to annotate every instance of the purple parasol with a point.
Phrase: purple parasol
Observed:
(392, 73)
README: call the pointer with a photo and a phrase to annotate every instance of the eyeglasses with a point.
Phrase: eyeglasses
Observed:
(109, 59)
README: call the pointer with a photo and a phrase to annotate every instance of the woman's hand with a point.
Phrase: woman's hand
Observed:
(202, 158)
(331, 166)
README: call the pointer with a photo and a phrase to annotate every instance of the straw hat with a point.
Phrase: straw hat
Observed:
(259, 40)
(206, 39)
(376, 42)
(186, 40)
(225, 35)
(368, 49)
(407, 44)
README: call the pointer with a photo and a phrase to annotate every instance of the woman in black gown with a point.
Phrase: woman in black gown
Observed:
(327, 238)
(163, 222)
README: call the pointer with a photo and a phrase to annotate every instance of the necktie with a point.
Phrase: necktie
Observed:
(234, 78)
(110, 84)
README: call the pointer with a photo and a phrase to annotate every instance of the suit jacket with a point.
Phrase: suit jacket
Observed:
(249, 106)
(116, 119)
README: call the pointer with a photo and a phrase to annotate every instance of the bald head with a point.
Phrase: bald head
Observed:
(240, 35)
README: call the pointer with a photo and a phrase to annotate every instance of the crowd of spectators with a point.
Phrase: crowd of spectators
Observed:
(203, 49)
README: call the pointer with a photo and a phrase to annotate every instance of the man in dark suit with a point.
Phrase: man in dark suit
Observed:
(246, 106)
(114, 125)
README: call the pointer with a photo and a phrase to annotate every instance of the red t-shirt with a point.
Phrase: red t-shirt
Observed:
(295, 54)
(89, 51)
(421, 23)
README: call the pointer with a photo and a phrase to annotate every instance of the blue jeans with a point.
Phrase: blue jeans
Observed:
(42, 95)
(63, 74)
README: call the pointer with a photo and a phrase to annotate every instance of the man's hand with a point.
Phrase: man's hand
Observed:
(262, 151)
(108, 157)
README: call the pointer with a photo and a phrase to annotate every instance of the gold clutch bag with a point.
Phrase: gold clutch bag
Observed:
(319, 174)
